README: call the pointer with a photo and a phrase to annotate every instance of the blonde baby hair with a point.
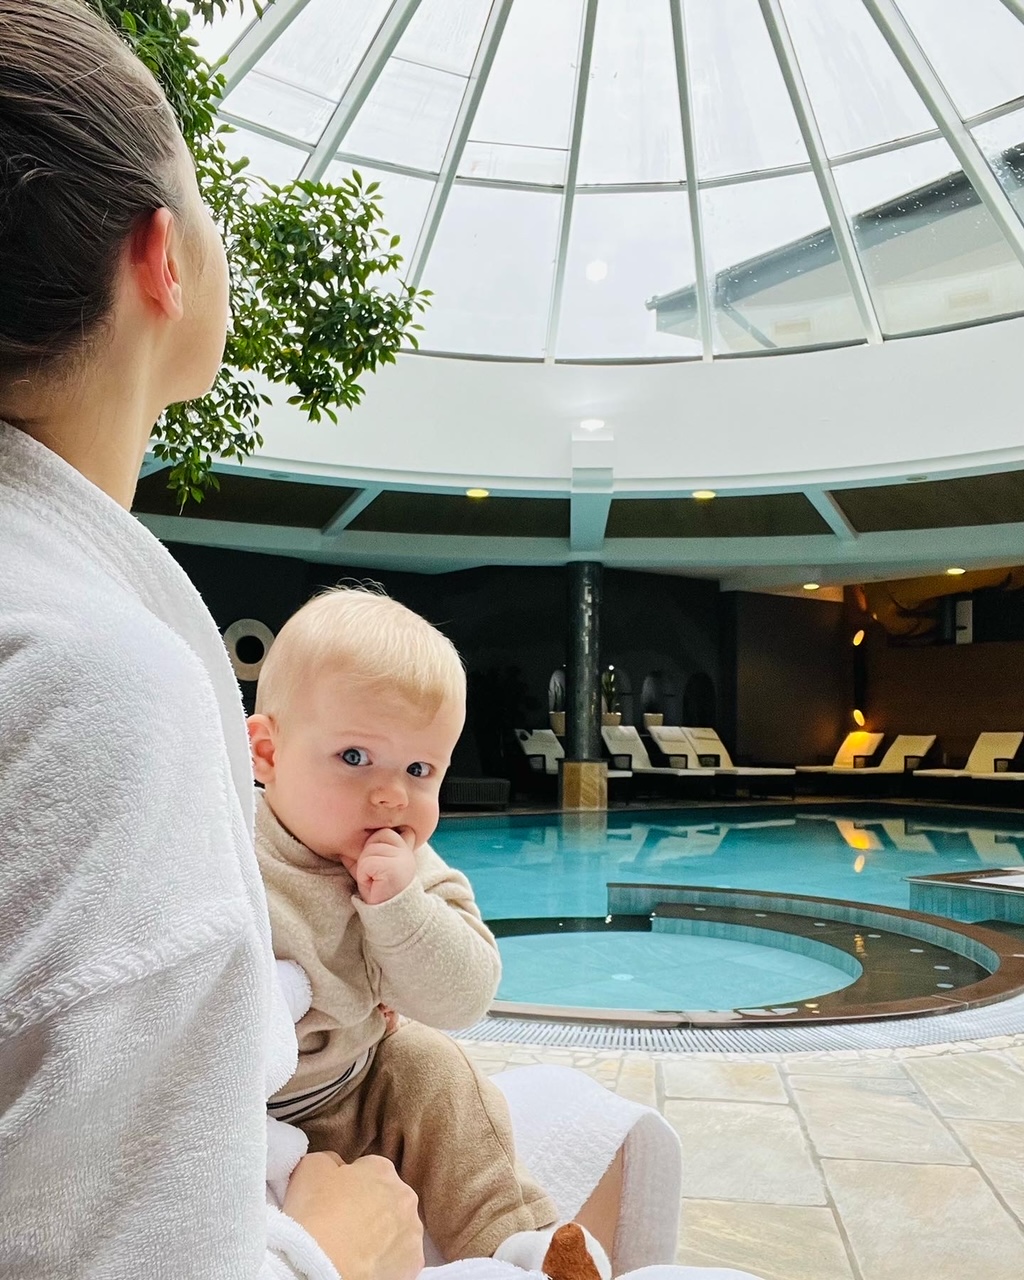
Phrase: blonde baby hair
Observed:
(364, 634)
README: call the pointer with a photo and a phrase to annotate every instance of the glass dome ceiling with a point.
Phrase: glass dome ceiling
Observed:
(659, 179)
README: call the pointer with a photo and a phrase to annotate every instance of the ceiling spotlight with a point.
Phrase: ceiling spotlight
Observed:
(591, 424)
(954, 571)
(858, 719)
(812, 586)
(704, 495)
(858, 639)
(596, 270)
(478, 493)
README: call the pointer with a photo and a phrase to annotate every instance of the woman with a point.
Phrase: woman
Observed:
(141, 1026)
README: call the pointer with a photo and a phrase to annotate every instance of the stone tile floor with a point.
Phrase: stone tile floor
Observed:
(897, 1164)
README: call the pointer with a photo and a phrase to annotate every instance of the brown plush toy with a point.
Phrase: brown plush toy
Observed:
(567, 1257)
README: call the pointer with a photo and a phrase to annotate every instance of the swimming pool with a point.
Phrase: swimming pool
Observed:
(559, 865)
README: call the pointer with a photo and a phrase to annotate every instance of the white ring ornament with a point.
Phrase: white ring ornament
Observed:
(244, 629)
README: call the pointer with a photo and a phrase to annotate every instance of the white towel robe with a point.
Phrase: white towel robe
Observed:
(141, 1024)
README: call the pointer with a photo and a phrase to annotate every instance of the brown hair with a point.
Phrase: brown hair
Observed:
(88, 144)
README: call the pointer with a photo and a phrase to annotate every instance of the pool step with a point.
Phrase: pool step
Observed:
(893, 967)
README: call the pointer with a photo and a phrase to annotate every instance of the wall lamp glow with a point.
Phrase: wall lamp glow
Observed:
(478, 493)
(954, 571)
(858, 639)
(858, 719)
(812, 586)
(592, 424)
(704, 495)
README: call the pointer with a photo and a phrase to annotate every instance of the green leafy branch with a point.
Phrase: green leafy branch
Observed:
(316, 302)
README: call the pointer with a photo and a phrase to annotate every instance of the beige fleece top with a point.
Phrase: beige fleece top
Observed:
(426, 953)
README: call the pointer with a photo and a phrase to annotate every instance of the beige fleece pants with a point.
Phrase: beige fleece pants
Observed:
(423, 1105)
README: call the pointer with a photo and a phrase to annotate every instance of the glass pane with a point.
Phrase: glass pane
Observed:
(774, 273)
(217, 37)
(491, 271)
(275, 161)
(445, 34)
(1002, 141)
(408, 117)
(932, 254)
(513, 164)
(977, 48)
(323, 45)
(625, 251)
(279, 106)
(860, 93)
(631, 127)
(742, 116)
(539, 47)
(403, 202)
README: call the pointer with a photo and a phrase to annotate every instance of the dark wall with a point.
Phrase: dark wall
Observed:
(509, 624)
(786, 676)
(955, 691)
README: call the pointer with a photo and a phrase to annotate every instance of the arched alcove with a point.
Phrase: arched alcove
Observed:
(700, 701)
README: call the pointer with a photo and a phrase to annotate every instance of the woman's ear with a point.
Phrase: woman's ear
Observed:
(153, 253)
(262, 745)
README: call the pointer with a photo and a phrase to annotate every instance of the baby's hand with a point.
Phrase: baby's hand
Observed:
(386, 866)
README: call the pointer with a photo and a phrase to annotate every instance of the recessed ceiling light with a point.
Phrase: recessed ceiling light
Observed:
(858, 639)
(812, 586)
(954, 571)
(591, 424)
(704, 495)
(478, 493)
(858, 719)
(596, 270)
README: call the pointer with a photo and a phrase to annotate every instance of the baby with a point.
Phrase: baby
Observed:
(359, 706)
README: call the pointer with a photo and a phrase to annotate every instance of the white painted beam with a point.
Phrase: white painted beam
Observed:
(349, 509)
(482, 64)
(572, 169)
(257, 39)
(912, 58)
(590, 503)
(776, 561)
(358, 88)
(813, 141)
(832, 513)
(692, 189)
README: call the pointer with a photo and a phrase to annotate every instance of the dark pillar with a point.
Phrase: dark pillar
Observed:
(583, 676)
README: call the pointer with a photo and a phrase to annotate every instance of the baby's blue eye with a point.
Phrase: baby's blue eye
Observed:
(419, 770)
(355, 756)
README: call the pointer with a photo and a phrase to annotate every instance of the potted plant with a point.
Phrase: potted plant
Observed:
(556, 703)
(611, 708)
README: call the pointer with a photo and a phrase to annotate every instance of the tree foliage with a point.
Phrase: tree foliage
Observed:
(311, 308)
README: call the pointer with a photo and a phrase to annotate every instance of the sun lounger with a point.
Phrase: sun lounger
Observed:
(543, 751)
(906, 752)
(623, 742)
(990, 758)
(710, 752)
(858, 745)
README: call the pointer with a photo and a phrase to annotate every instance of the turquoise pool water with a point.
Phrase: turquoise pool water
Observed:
(559, 866)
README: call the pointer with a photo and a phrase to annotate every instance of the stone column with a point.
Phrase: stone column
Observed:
(584, 779)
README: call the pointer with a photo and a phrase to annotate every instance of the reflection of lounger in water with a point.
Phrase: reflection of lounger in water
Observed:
(667, 844)
(900, 837)
(995, 848)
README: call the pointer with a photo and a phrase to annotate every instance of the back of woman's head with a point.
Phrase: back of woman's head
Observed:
(88, 145)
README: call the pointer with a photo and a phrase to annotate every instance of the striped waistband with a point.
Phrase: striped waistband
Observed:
(300, 1105)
